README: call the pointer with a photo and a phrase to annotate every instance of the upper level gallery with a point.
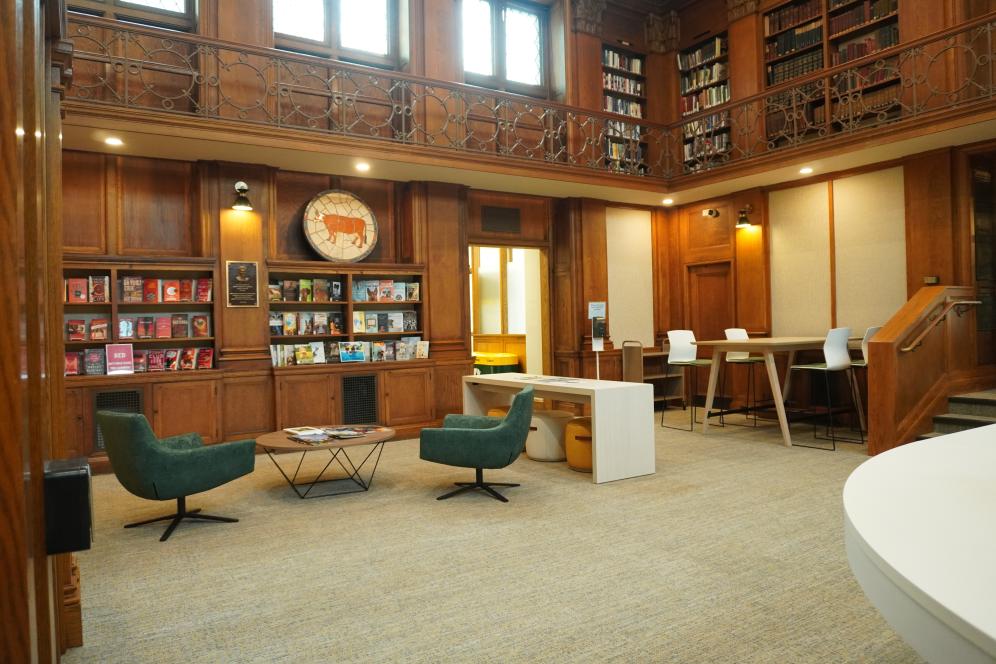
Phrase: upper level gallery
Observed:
(640, 97)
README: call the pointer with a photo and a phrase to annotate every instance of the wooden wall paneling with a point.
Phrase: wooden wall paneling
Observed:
(308, 400)
(535, 215)
(566, 281)
(381, 196)
(752, 273)
(243, 331)
(962, 236)
(704, 238)
(746, 62)
(242, 21)
(448, 386)
(247, 405)
(293, 192)
(407, 396)
(76, 416)
(446, 275)
(588, 61)
(187, 406)
(594, 266)
(700, 20)
(157, 207)
(710, 302)
(930, 226)
(84, 189)
(442, 40)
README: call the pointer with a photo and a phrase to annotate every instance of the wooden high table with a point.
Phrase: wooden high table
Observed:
(766, 347)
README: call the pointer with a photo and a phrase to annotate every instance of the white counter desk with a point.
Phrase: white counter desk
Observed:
(920, 532)
(622, 416)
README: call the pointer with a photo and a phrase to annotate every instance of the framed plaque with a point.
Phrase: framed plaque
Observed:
(242, 283)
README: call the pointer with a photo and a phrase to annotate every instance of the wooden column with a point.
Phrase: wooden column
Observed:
(240, 21)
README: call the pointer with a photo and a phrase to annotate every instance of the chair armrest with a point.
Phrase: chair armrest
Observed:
(183, 472)
(184, 441)
(471, 422)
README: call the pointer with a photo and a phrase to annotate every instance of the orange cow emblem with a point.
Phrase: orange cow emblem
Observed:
(336, 223)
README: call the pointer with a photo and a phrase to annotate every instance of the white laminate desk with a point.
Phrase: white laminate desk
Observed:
(622, 416)
(920, 533)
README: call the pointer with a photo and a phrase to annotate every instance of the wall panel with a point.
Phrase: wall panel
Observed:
(630, 274)
(156, 201)
(85, 192)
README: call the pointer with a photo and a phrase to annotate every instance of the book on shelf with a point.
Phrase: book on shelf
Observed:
(786, 70)
(140, 360)
(179, 326)
(623, 84)
(305, 323)
(422, 350)
(866, 44)
(186, 290)
(120, 359)
(320, 290)
(304, 290)
(320, 323)
(200, 326)
(804, 36)
(157, 360)
(617, 60)
(335, 290)
(126, 328)
(164, 327)
(145, 327)
(290, 323)
(699, 78)
(353, 351)
(76, 329)
(290, 290)
(791, 14)
(98, 329)
(359, 322)
(409, 321)
(373, 290)
(412, 291)
(398, 291)
(74, 362)
(204, 289)
(276, 324)
(77, 290)
(274, 293)
(336, 323)
(131, 289)
(93, 362)
(100, 289)
(205, 358)
(382, 324)
(171, 359)
(188, 359)
(377, 351)
(710, 50)
(332, 352)
(395, 321)
(866, 12)
(318, 352)
(704, 99)
(628, 107)
(390, 351)
(401, 350)
(385, 291)
(359, 291)
(171, 290)
(150, 290)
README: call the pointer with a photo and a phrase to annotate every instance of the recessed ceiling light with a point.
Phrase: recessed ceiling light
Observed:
(805, 170)
(114, 140)
(668, 201)
(362, 166)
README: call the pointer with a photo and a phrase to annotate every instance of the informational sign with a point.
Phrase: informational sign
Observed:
(120, 359)
(242, 283)
(596, 310)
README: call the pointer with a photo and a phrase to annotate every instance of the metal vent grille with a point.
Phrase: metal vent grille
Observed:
(359, 399)
(121, 401)
(500, 220)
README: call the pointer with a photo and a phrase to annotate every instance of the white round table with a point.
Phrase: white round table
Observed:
(920, 532)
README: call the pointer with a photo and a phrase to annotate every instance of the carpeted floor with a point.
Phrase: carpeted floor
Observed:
(732, 552)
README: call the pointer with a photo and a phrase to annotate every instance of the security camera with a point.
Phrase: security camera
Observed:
(710, 213)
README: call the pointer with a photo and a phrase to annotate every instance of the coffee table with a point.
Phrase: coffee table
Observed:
(280, 441)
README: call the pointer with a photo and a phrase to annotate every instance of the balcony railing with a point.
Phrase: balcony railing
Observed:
(127, 66)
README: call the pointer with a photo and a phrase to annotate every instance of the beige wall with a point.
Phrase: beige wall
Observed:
(630, 272)
(800, 260)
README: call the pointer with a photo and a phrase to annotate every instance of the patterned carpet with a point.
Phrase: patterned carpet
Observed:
(732, 552)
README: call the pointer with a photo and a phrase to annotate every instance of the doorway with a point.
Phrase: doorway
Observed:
(983, 167)
(509, 304)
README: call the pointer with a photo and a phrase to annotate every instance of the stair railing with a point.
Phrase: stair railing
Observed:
(958, 306)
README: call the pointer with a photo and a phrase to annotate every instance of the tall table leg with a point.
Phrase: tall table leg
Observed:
(776, 394)
(711, 392)
(787, 384)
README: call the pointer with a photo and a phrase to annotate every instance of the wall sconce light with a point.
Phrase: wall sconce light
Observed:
(241, 200)
(743, 221)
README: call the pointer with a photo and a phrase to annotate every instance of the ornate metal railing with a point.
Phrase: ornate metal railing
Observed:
(134, 67)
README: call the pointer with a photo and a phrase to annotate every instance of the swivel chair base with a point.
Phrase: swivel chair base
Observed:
(181, 514)
(478, 483)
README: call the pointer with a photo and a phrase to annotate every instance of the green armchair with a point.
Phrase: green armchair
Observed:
(471, 441)
(169, 468)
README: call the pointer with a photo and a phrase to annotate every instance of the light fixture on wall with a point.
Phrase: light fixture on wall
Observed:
(743, 221)
(668, 201)
(241, 199)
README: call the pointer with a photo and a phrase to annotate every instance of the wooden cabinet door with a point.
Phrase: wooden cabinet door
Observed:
(408, 396)
(184, 407)
(248, 406)
(76, 442)
(309, 400)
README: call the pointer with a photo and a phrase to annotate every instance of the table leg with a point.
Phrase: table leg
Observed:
(711, 392)
(776, 394)
(787, 383)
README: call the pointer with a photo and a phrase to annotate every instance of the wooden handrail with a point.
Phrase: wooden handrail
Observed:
(952, 304)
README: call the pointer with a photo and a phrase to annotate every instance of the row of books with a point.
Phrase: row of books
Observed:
(617, 60)
(618, 83)
(386, 290)
(618, 129)
(710, 75)
(82, 290)
(790, 15)
(861, 77)
(623, 106)
(802, 37)
(796, 67)
(330, 352)
(176, 326)
(707, 125)
(707, 147)
(624, 151)
(707, 98)
(306, 290)
(118, 359)
(710, 50)
(867, 11)
(294, 323)
(875, 41)
(874, 101)
(135, 289)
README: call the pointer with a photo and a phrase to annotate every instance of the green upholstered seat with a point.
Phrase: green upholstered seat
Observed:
(170, 468)
(479, 442)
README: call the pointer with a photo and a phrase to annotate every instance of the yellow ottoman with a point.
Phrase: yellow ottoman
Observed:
(498, 411)
(577, 441)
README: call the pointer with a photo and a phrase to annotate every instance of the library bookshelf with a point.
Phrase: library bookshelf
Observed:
(704, 82)
(624, 93)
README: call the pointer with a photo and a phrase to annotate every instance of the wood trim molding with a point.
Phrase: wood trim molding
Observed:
(737, 9)
(588, 16)
(662, 32)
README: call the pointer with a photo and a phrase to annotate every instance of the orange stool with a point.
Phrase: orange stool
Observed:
(499, 411)
(577, 441)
